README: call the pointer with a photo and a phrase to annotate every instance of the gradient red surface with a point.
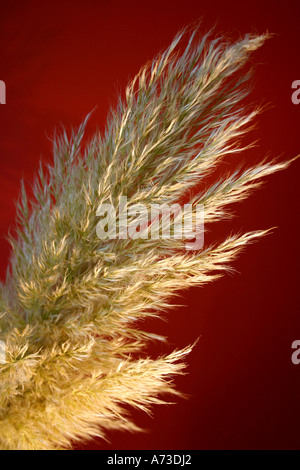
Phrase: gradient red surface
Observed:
(59, 60)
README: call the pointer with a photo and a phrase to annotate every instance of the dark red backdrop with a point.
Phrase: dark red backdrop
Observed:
(61, 58)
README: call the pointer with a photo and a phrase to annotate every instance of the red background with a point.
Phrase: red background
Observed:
(61, 58)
